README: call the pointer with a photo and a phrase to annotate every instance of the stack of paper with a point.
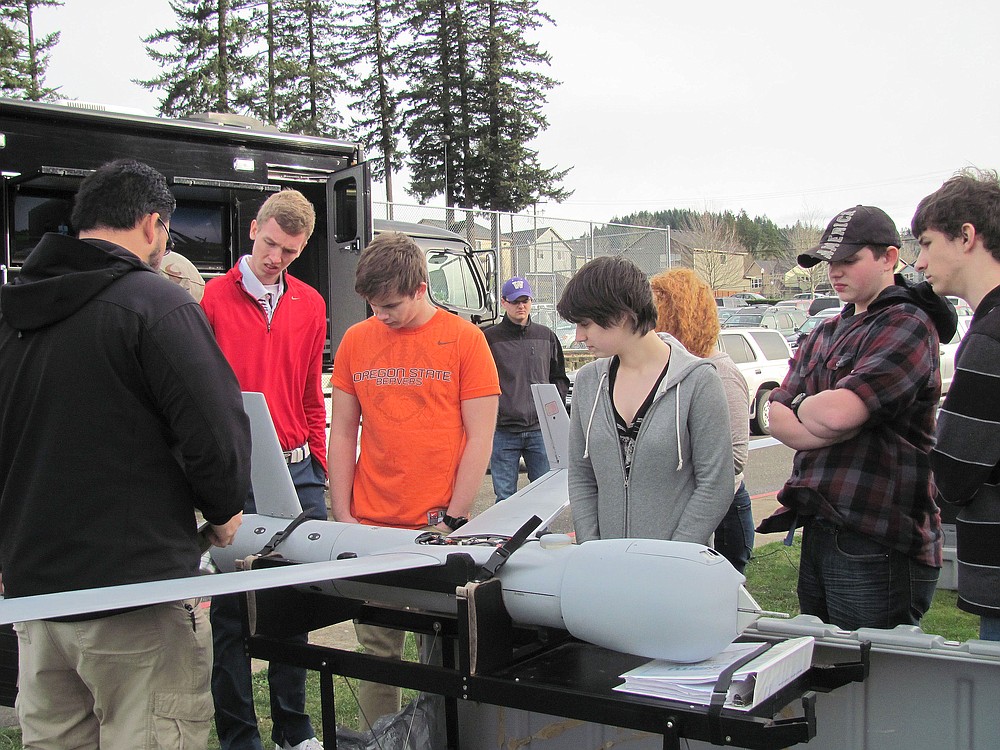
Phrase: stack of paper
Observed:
(751, 683)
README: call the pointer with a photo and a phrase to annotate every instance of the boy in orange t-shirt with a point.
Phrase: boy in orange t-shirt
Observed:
(425, 382)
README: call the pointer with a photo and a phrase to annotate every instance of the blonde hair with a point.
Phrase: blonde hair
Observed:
(686, 309)
(291, 210)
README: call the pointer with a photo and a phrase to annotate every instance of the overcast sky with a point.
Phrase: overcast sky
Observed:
(792, 109)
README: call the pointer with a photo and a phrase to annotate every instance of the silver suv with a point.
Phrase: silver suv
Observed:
(762, 356)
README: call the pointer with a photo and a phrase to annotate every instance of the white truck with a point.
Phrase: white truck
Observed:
(762, 355)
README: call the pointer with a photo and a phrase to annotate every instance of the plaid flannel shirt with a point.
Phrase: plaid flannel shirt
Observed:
(879, 482)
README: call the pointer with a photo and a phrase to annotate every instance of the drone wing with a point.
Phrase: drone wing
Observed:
(48, 606)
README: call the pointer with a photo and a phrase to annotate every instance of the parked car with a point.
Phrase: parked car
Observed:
(948, 350)
(749, 296)
(824, 303)
(814, 320)
(730, 302)
(785, 320)
(762, 356)
(960, 305)
(795, 304)
(726, 312)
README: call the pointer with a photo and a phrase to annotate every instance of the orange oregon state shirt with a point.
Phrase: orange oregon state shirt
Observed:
(411, 384)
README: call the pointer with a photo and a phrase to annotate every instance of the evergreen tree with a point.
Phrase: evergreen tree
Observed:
(25, 58)
(205, 60)
(509, 176)
(371, 34)
(429, 121)
(299, 59)
(761, 236)
(475, 94)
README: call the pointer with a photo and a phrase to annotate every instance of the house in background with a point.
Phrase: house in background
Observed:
(541, 256)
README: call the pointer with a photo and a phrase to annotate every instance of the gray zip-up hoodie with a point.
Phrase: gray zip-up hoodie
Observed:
(681, 483)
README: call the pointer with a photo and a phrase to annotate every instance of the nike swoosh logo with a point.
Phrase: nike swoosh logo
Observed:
(442, 343)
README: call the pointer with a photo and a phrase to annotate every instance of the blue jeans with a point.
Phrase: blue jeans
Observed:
(508, 448)
(734, 537)
(989, 628)
(235, 718)
(849, 580)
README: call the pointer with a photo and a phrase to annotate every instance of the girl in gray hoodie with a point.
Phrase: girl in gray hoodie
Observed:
(650, 449)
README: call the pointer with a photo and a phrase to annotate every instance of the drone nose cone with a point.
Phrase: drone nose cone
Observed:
(665, 600)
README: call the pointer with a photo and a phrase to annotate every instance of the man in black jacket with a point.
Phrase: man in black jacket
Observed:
(119, 418)
(525, 353)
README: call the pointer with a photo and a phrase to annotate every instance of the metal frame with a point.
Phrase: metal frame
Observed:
(541, 671)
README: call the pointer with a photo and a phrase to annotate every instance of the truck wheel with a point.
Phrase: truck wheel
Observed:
(761, 424)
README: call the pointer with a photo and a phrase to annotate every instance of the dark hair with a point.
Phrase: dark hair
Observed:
(609, 291)
(970, 197)
(119, 194)
(878, 251)
(391, 264)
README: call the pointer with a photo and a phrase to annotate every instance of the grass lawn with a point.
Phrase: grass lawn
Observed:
(771, 578)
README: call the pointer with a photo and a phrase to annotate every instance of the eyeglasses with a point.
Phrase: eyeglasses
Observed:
(522, 301)
(170, 240)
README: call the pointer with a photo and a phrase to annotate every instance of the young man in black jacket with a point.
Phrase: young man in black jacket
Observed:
(119, 418)
(525, 353)
(958, 227)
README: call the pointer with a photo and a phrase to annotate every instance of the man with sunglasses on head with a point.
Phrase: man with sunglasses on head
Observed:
(525, 353)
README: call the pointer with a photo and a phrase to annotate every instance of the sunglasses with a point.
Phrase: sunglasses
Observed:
(170, 240)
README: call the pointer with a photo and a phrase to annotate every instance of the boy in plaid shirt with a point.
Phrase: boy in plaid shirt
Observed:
(858, 407)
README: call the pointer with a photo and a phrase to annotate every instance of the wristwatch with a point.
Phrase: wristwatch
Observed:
(796, 403)
(454, 523)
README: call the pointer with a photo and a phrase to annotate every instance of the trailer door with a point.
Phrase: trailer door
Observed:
(349, 221)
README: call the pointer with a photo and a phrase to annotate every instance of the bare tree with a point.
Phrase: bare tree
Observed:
(803, 236)
(711, 247)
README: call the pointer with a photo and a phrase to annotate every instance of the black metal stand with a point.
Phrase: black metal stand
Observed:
(546, 672)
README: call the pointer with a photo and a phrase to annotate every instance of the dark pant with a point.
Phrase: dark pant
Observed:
(849, 580)
(235, 718)
(734, 537)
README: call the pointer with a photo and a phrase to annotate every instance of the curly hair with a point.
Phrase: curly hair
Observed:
(686, 309)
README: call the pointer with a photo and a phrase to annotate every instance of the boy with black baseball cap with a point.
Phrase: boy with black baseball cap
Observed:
(858, 407)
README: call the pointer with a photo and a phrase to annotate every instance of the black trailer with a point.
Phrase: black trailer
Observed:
(220, 168)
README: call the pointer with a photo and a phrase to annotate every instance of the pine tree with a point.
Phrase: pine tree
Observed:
(371, 32)
(25, 58)
(509, 174)
(205, 60)
(431, 118)
(299, 60)
(475, 91)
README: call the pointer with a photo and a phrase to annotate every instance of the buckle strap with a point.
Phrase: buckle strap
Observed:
(296, 455)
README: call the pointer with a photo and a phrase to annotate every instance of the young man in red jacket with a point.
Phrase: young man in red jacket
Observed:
(272, 329)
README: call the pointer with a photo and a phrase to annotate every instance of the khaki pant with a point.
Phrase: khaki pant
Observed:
(125, 682)
(374, 698)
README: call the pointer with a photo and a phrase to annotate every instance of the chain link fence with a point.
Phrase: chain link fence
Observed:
(546, 251)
